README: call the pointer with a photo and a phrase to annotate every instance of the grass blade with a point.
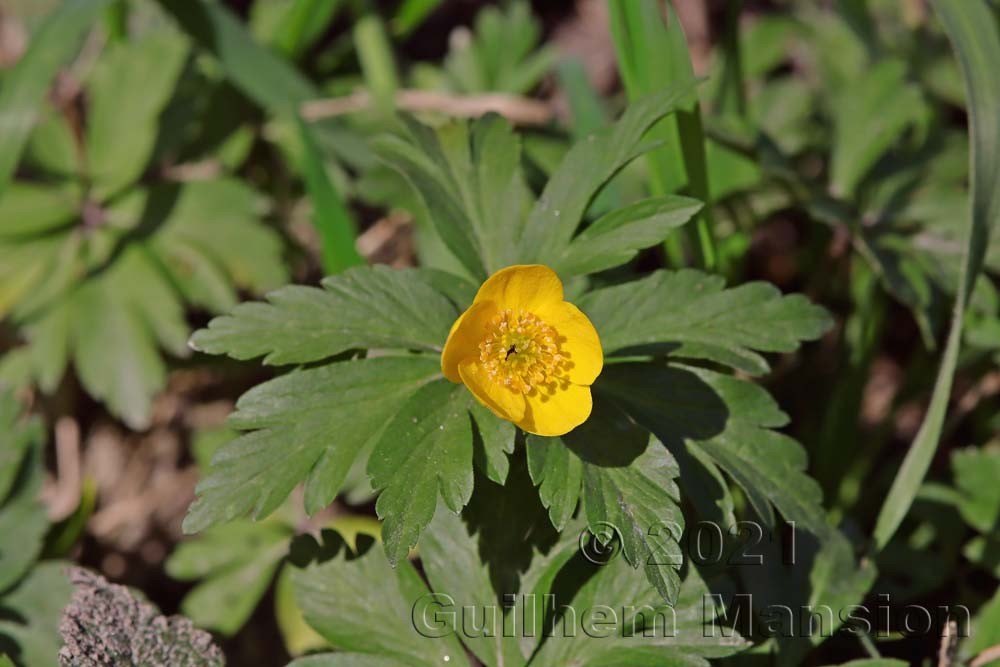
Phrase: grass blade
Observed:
(330, 217)
(652, 56)
(973, 33)
(24, 87)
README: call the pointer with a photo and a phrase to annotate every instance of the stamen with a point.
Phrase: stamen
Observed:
(522, 353)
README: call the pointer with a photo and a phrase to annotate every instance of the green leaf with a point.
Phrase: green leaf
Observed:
(126, 280)
(640, 501)
(805, 572)
(494, 442)
(501, 55)
(870, 117)
(23, 519)
(347, 660)
(117, 318)
(363, 605)
(427, 448)
(53, 148)
(510, 527)
(25, 86)
(19, 441)
(873, 662)
(558, 473)
(411, 14)
(454, 567)
(375, 57)
(202, 259)
(653, 54)
(471, 182)
(360, 308)
(28, 208)
(728, 419)
(690, 314)
(973, 34)
(122, 125)
(634, 634)
(279, 88)
(976, 473)
(299, 637)
(986, 628)
(32, 611)
(303, 24)
(587, 166)
(617, 237)
(628, 492)
(308, 425)
(263, 76)
(236, 562)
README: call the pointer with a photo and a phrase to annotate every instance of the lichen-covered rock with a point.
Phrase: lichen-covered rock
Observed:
(105, 626)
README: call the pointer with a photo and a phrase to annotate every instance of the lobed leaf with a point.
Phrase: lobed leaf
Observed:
(454, 567)
(363, 307)
(236, 563)
(308, 425)
(628, 492)
(728, 419)
(642, 633)
(870, 118)
(426, 448)
(30, 623)
(122, 125)
(470, 180)
(364, 606)
(587, 166)
(688, 313)
(26, 84)
(976, 471)
(493, 443)
(618, 236)
(23, 518)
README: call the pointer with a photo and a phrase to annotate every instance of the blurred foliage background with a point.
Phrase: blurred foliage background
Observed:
(162, 161)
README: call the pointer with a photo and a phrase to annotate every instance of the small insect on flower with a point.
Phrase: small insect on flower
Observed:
(524, 352)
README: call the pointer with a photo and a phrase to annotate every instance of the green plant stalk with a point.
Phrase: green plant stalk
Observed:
(838, 440)
(973, 33)
(652, 56)
(24, 86)
(732, 93)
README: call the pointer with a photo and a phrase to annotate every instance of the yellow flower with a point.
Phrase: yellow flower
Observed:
(524, 353)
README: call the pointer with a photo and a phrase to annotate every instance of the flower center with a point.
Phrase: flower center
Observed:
(521, 352)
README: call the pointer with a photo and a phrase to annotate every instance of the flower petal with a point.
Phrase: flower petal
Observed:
(464, 338)
(556, 411)
(578, 340)
(523, 286)
(504, 403)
